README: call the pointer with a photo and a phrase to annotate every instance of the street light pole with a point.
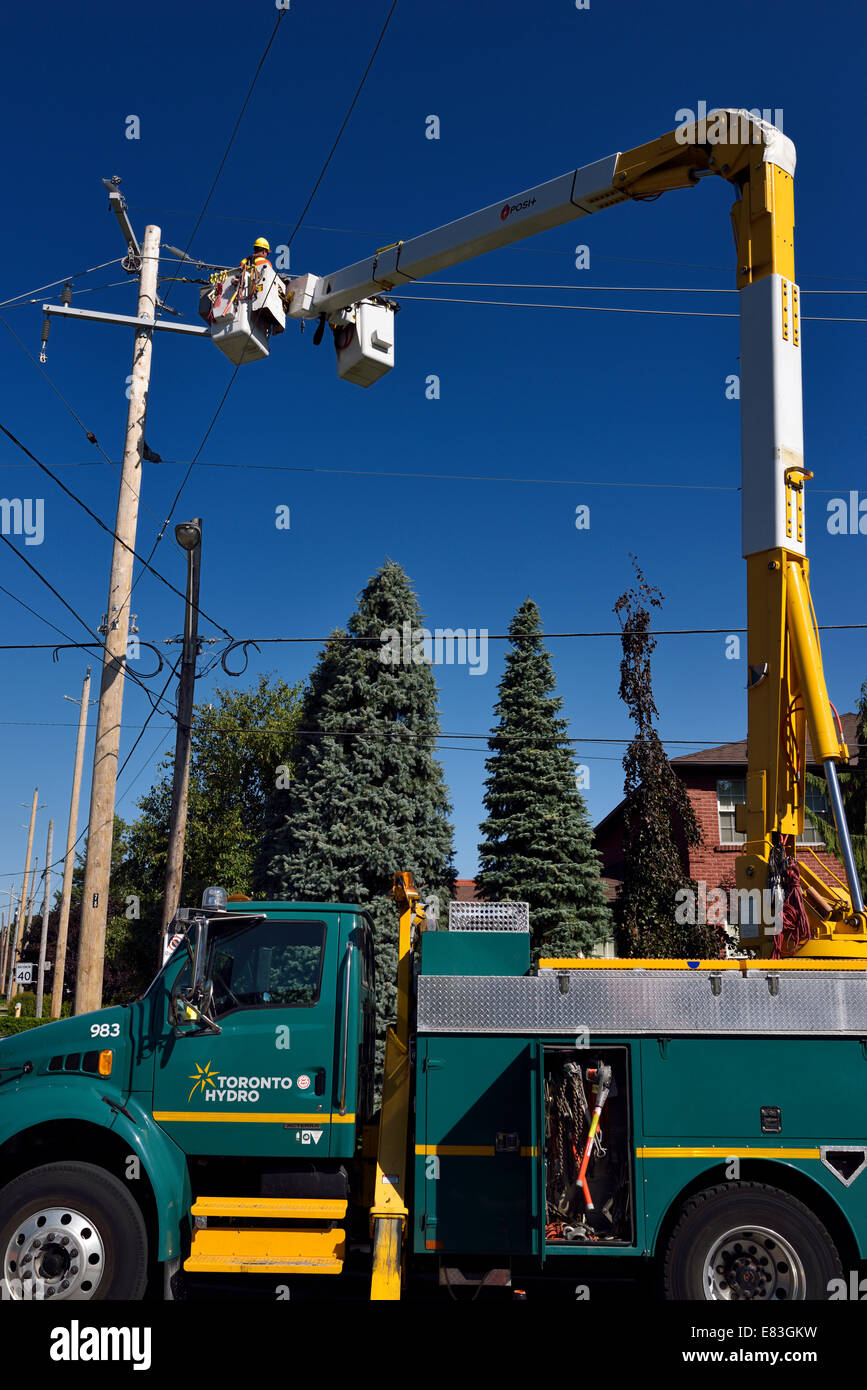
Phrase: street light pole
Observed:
(189, 537)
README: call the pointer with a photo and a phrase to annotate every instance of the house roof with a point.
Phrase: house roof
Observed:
(726, 754)
(465, 890)
(735, 755)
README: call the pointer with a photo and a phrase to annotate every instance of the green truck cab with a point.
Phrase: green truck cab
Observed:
(245, 1069)
(707, 1117)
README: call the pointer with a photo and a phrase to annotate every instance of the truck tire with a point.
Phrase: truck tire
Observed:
(71, 1231)
(748, 1241)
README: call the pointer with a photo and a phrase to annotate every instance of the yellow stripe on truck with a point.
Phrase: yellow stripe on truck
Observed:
(467, 1151)
(686, 1152)
(243, 1118)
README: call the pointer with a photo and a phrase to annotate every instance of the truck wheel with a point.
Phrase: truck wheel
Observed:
(748, 1241)
(71, 1231)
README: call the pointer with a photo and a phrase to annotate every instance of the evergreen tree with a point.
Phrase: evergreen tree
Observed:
(657, 810)
(853, 789)
(368, 797)
(538, 845)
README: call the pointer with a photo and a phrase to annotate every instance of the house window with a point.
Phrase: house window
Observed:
(730, 792)
(817, 802)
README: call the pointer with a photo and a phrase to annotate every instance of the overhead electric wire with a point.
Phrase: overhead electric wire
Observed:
(108, 529)
(345, 121)
(280, 17)
(600, 308)
(51, 646)
(65, 279)
(289, 242)
(519, 637)
(173, 279)
(456, 477)
(475, 634)
(132, 674)
(608, 289)
(89, 434)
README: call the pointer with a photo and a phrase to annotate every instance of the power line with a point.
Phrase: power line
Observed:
(108, 529)
(172, 280)
(456, 477)
(603, 308)
(458, 635)
(345, 121)
(40, 646)
(225, 394)
(608, 289)
(280, 17)
(38, 289)
(522, 247)
(89, 434)
(89, 289)
(76, 615)
(461, 635)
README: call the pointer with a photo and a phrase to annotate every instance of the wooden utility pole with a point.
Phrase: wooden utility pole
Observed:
(189, 536)
(7, 941)
(69, 861)
(22, 906)
(46, 908)
(94, 903)
(22, 945)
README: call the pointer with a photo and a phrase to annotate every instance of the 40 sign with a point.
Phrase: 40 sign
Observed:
(25, 974)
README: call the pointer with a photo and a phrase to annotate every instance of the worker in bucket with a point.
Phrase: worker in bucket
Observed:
(261, 248)
(256, 263)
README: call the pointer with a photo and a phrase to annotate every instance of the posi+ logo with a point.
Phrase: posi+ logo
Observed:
(509, 208)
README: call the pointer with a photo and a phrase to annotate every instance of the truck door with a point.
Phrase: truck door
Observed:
(263, 1085)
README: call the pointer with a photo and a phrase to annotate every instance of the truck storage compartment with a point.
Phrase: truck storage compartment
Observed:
(588, 1147)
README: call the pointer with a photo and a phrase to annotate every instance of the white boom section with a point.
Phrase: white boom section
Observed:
(772, 428)
(772, 441)
(563, 199)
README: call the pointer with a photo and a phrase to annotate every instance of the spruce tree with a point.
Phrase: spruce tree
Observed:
(538, 840)
(853, 789)
(368, 797)
(657, 810)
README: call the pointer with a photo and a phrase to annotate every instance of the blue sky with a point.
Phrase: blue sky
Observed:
(590, 407)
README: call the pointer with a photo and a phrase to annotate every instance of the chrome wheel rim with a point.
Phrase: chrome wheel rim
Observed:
(54, 1253)
(756, 1264)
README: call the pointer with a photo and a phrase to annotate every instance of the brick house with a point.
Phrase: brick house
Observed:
(465, 890)
(715, 780)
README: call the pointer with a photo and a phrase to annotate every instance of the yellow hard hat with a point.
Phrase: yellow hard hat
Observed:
(261, 242)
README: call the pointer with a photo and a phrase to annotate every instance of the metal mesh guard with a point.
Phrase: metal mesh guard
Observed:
(489, 917)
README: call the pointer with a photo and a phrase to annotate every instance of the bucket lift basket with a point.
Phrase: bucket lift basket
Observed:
(242, 308)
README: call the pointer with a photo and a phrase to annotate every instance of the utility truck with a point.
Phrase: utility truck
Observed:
(706, 1116)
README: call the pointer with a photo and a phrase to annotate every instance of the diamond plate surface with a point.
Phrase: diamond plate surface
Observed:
(489, 916)
(653, 1002)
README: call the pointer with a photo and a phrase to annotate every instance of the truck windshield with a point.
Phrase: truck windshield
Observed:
(273, 964)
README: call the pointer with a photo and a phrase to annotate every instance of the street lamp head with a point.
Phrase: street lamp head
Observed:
(188, 535)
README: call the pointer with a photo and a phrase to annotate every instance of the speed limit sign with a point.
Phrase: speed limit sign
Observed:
(25, 974)
(170, 944)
